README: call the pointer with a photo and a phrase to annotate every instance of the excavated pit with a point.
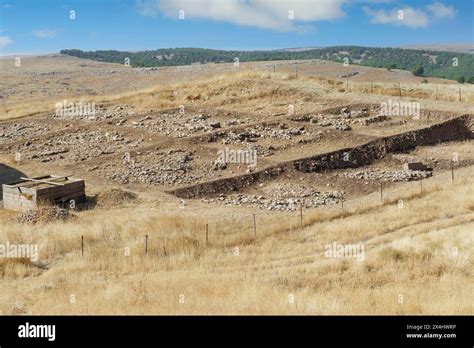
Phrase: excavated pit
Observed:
(455, 129)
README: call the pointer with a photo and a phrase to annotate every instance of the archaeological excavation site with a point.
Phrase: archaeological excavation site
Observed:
(289, 177)
(255, 180)
(316, 158)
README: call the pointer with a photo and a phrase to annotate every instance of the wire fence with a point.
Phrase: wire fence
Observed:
(424, 90)
(237, 229)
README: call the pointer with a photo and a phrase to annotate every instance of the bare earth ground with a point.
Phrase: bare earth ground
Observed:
(45, 80)
(158, 130)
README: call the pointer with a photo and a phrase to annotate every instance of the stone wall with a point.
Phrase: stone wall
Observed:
(459, 128)
(451, 130)
(235, 183)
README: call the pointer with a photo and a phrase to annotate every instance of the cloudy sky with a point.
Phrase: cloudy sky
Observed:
(33, 26)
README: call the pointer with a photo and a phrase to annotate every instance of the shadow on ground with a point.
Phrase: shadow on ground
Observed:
(8, 175)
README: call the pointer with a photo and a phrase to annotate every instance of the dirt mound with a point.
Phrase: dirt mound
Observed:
(44, 214)
(115, 197)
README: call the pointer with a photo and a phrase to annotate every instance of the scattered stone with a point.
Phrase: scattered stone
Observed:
(181, 125)
(387, 175)
(44, 214)
(75, 146)
(369, 120)
(279, 131)
(170, 167)
(283, 197)
(11, 132)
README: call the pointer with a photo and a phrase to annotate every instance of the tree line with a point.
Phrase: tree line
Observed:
(448, 65)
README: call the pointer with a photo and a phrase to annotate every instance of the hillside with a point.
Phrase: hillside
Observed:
(408, 253)
(448, 47)
(437, 64)
(68, 77)
(148, 251)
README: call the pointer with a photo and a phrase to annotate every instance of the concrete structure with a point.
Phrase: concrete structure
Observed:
(30, 193)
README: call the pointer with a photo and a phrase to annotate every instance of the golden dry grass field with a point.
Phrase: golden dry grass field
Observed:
(43, 80)
(417, 260)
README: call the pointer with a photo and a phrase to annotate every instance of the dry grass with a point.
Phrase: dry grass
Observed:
(250, 87)
(408, 252)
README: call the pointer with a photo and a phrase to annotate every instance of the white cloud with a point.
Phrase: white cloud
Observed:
(4, 41)
(267, 14)
(44, 33)
(147, 8)
(409, 16)
(406, 16)
(439, 10)
(274, 14)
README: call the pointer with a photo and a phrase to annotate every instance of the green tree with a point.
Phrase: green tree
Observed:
(417, 61)
(418, 71)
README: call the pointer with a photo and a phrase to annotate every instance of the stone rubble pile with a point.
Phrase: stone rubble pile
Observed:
(433, 162)
(336, 123)
(345, 117)
(282, 198)
(173, 123)
(369, 120)
(172, 167)
(100, 113)
(291, 191)
(331, 121)
(77, 146)
(347, 113)
(13, 131)
(43, 214)
(279, 131)
(388, 175)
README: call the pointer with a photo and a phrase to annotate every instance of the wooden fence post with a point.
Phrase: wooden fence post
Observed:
(207, 233)
(254, 226)
(301, 214)
(381, 192)
(82, 245)
(146, 244)
(452, 174)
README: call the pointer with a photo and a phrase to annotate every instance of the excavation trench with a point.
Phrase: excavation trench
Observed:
(455, 129)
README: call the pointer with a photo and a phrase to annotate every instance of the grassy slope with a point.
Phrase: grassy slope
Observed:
(229, 90)
(406, 59)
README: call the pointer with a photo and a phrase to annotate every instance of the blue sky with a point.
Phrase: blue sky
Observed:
(41, 26)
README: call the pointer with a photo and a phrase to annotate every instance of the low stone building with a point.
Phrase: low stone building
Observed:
(31, 193)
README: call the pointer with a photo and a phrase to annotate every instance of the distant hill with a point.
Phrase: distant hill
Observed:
(449, 65)
(448, 47)
(298, 49)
